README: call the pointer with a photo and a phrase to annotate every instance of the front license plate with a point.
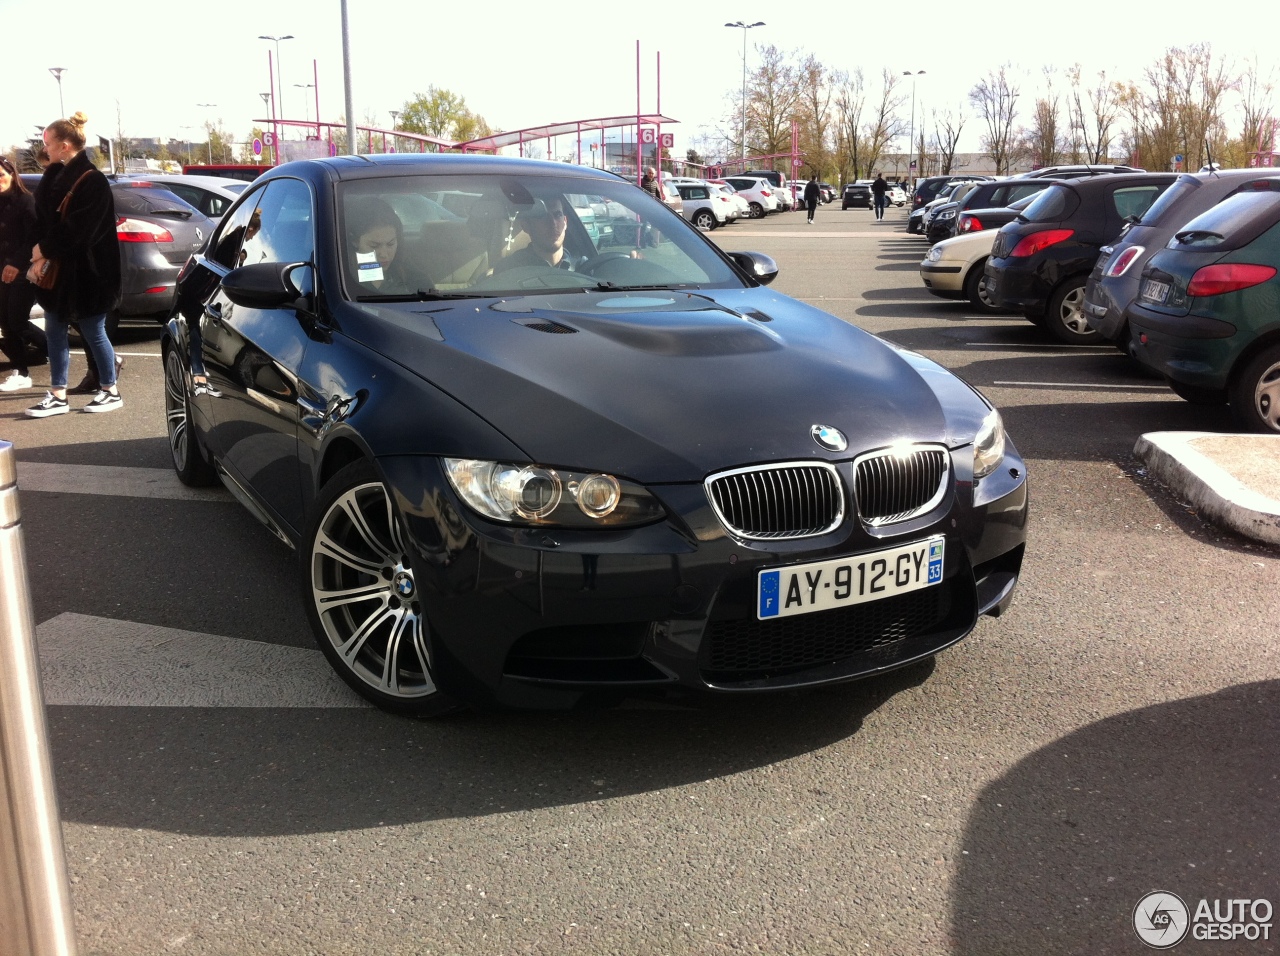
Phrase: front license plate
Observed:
(824, 585)
(1153, 290)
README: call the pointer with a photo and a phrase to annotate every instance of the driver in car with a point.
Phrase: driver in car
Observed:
(545, 223)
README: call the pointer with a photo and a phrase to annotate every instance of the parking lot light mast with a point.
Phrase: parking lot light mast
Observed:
(279, 71)
(739, 24)
(208, 130)
(911, 141)
(57, 72)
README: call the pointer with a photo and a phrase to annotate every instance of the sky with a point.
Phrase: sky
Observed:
(520, 64)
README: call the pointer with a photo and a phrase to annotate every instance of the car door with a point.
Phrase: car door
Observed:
(252, 355)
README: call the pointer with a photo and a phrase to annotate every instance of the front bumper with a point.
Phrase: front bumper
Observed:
(535, 617)
(943, 278)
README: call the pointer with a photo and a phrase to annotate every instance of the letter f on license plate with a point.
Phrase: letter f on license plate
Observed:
(823, 585)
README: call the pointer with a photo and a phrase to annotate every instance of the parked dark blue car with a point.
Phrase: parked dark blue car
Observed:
(518, 468)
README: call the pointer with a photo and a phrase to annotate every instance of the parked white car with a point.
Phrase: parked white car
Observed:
(741, 208)
(212, 195)
(896, 195)
(759, 194)
(704, 205)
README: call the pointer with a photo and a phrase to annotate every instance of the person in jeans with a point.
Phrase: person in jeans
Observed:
(17, 236)
(812, 196)
(82, 241)
(878, 190)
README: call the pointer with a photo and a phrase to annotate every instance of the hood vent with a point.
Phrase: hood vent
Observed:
(545, 325)
(758, 315)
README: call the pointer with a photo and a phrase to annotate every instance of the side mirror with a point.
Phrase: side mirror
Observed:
(760, 267)
(263, 285)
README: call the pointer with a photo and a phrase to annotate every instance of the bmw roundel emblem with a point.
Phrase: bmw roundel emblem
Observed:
(829, 438)
(403, 584)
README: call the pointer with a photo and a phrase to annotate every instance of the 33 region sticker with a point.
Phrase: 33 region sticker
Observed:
(1161, 920)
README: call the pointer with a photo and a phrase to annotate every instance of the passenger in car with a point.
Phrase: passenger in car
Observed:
(545, 223)
(376, 234)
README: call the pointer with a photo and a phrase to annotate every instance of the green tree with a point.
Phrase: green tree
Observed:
(443, 113)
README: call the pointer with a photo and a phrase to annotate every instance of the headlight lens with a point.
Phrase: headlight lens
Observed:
(988, 446)
(947, 214)
(934, 254)
(535, 495)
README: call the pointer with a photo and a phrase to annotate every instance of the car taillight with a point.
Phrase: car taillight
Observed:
(1030, 245)
(970, 224)
(1120, 264)
(135, 230)
(765, 192)
(1227, 277)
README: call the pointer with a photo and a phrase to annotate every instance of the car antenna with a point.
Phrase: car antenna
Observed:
(1209, 156)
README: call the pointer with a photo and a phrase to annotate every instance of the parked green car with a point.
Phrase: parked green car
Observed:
(1207, 316)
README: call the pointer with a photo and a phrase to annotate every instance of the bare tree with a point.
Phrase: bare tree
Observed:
(851, 100)
(883, 123)
(1256, 93)
(995, 97)
(1181, 106)
(814, 114)
(1093, 115)
(1044, 139)
(773, 94)
(946, 132)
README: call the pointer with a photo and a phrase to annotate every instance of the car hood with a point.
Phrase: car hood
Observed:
(671, 386)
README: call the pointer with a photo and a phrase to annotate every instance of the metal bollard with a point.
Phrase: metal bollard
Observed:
(35, 901)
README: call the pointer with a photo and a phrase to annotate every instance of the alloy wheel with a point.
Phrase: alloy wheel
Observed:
(177, 421)
(365, 596)
(1266, 397)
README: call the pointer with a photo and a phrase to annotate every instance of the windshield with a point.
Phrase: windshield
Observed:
(444, 236)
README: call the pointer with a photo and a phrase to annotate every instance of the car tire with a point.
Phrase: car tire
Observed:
(704, 220)
(975, 289)
(189, 461)
(843, 207)
(1065, 315)
(1255, 392)
(1198, 394)
(361, 597)
(757, 211)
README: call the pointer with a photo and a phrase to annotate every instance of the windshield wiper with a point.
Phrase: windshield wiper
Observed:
(434, 295)
(613, 287)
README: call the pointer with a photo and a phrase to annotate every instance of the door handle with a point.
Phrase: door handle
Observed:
(213, 311)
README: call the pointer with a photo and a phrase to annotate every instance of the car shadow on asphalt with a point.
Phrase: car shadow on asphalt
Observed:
(903, 256)
(129, 453)
(245, 772)
(913, 266)
(1179, 796)
(915, 294)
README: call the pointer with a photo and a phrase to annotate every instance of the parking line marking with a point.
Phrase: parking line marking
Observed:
(139, 354)
(111, 480)
(1118, 386)
(88, 661)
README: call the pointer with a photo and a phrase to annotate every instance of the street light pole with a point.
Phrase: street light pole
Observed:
(739, 24)
(307, 103)
(912, 135)
(208, 130)
(279, 68)
(57, 72)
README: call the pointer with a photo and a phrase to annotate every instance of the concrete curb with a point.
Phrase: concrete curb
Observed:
(1232, 480)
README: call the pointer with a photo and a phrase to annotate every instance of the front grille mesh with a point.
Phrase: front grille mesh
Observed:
(748, 648)
(779, 501)
(895, 486)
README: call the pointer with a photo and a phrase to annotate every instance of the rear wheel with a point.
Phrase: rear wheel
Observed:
(975, 289)
(757, 211)
(1255, 393)
(1066, 314)
(364, 602)
(189, 460)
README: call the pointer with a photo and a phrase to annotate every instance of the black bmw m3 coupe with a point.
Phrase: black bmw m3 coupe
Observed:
(520, 464)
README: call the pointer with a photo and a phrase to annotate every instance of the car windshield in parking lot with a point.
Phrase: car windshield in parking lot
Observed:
(481, 235)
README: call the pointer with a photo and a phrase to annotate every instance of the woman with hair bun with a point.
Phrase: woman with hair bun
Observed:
(17, 235)
(81, 239)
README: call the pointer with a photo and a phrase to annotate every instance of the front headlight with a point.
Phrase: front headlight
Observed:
(947, 214)
(534, 495)
(988, 445)
(934, 254)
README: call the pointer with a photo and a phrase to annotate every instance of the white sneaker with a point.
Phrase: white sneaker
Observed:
(15, 382)
(104, 401)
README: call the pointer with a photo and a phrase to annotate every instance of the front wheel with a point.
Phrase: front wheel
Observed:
(189, 461)
(1066, 315)
(757, 211)
(1255, 393)
(704, 220)
(364, 601)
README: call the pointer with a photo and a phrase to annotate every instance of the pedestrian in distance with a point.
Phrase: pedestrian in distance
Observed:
(76, 236)
(18, 334)
(878, 190)
(812, 196)
(649, 183)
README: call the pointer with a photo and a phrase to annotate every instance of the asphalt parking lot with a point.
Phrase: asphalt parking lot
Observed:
(1117, 732)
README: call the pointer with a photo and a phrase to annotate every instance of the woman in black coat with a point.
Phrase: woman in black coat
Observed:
(82, 241)
(17, 236)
